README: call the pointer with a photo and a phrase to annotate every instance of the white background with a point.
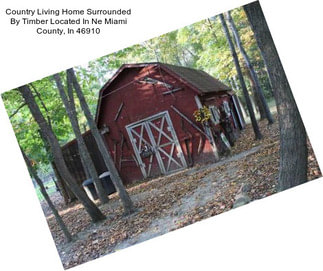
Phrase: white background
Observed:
(282, 232)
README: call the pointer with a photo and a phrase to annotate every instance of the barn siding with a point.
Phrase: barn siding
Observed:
(139, 100)
(135, 96)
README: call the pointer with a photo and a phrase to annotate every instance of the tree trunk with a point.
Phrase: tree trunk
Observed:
(86, 159)
(60, 184)
(66, 194)
(259, 104)
(293, 148)
(58, 218)
(127, 203)
(256, 99)
(254, 78)
(56, 150)
(242, 82)
(264, 73)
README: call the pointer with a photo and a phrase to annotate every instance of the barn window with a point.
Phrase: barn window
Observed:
(227, 109)
(215, 115)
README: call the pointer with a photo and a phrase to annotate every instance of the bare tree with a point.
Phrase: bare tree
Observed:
(254, 78)
(293, 147)
(86, 159)
(242, 82)
(58, 218)
(127, 203)
(92, 210)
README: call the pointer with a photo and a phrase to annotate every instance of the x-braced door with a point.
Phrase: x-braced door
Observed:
(156, 145)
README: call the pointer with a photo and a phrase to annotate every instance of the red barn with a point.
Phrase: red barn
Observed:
(158, 118)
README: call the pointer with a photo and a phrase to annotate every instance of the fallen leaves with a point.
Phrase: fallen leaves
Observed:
(167, 203)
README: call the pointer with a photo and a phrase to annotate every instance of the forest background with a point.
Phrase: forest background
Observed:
(184, 38)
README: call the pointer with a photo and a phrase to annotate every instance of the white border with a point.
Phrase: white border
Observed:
(282, 232)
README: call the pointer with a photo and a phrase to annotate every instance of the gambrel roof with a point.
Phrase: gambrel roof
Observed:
(200, 81)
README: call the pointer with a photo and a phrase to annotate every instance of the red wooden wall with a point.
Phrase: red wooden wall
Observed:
(141, 100)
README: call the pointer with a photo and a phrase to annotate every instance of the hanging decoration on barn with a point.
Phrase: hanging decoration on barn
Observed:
(202, 115)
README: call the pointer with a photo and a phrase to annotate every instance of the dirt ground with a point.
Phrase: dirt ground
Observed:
(171, 202)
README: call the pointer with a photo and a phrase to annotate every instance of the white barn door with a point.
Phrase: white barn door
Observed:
(156, 145)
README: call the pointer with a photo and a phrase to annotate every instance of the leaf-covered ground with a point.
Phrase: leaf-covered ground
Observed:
(168, 203)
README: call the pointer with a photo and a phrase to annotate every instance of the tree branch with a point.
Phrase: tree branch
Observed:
(17, 110)
(42, 103)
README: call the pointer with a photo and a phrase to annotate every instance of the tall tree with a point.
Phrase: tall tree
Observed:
(293, 147)
(92, 210)
(254, 77)
(255, 96)
(240, 76)
(86, 159)
(58, 218)
(64, 192)
(127, 203)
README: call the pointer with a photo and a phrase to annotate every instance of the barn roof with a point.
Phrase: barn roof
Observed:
(198, 79)
(204, 82)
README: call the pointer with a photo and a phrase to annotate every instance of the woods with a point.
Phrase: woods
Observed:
(181, 126)
(241, 79)
(254, 78)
